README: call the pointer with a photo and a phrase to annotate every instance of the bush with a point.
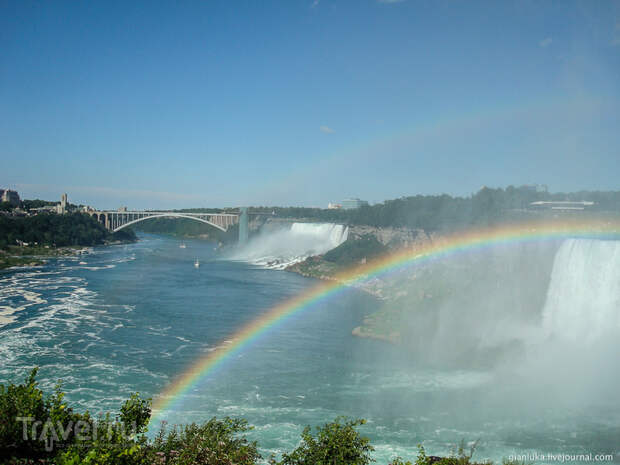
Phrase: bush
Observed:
(459, 457)
(31, 425)
(136, 413)
(336, 443)
(64, 437)
(215, 442)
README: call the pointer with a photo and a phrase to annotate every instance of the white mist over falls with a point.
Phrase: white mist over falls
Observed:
(541, 319)
(577, 355)
(538, 312)
(281, 246)
(583, 300)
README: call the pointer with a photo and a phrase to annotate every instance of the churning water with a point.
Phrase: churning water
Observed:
(135, 316)
(279, 248)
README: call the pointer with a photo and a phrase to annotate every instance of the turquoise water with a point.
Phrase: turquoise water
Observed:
(132, 317)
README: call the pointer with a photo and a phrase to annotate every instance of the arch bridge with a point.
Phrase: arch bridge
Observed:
(116, 220)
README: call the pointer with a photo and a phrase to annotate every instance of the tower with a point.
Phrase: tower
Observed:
(62, 208)
(243, 225)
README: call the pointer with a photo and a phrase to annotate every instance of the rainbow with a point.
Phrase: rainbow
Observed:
(467, 241)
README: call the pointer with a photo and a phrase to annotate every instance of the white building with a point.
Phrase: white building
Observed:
(350, 204)
(9, 196)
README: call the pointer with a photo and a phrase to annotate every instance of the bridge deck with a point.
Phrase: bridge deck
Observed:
(117, 220)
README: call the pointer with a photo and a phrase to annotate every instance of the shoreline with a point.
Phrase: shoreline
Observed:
(364, 331)
(326, 275)
(39, 255)
(30, 258)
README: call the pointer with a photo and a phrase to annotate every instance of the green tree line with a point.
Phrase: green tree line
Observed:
(445, 212)
(74, 229)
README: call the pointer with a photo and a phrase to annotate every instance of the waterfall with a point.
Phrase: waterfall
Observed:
(291, 244)
(583, 299)
(328, 235)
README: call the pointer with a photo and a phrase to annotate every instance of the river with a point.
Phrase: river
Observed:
(132, 317)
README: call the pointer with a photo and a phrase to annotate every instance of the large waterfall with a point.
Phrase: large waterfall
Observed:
(282, 247)
(583, 299)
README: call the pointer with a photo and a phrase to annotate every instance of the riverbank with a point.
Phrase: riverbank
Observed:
(18, 256)
(363, 245)
(32, 255)
(319, 268)
(27, 241)
(380, 325)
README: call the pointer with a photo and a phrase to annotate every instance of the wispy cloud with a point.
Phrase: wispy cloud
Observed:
(545, 42)
(315, 3)
(327, 130)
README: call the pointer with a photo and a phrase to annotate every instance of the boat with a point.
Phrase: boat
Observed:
(197, 264)
(182, 246)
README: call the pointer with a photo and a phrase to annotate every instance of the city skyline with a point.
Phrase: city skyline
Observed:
(155, 105)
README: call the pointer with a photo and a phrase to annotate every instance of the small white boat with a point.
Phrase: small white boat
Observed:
(182, 246)
(197, 264)
(82, 263)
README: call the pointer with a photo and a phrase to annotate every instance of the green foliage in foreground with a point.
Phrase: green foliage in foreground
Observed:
(35, 428)
(216, 442)
(334, 443)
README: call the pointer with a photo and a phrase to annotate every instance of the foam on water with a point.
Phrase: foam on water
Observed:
(51, 317)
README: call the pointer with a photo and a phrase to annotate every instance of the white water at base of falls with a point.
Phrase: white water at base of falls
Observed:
(284, 247)
(583, 299)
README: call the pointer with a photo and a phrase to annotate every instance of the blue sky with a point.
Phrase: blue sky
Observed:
(225, 103)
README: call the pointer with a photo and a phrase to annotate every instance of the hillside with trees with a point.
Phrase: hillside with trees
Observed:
(445, 212)
(75, 229)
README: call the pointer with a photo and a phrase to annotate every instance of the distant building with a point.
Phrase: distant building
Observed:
(334, 206)
(535, 187)
(350, 204)
(45, 209)
(61, 208)
(560, 205)
(122, 209)
(12, 197)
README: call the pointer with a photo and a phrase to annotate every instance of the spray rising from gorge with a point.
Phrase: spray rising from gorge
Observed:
(281, 246)
(541, 307)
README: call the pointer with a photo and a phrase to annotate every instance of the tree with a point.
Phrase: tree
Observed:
(216, 442)
(6, 206)
(336, 443)
(59, 230)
